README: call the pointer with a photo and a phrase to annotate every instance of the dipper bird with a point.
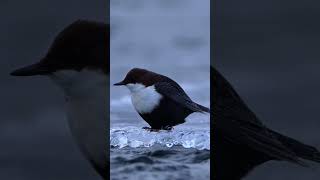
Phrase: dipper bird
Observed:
(78, 62)
(159, 100)
(241, 142)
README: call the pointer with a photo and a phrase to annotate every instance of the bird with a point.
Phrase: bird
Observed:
(159, 100)
(78, 62)
(241, 142)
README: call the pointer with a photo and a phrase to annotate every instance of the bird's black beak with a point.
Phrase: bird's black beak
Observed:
(31, 70)
(120, 83)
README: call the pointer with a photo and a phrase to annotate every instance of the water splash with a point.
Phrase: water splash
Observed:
(136, 137)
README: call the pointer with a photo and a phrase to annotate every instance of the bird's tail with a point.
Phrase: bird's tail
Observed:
(203, 109)
(301, 150)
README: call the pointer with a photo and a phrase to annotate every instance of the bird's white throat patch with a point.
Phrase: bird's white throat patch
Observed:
(144, 99)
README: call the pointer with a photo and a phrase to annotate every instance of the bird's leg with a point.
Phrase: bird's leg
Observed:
(150, 129)
(168, 128)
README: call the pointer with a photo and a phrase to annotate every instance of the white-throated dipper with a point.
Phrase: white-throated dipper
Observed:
(241, 142)
(78, 62)
(159, 100)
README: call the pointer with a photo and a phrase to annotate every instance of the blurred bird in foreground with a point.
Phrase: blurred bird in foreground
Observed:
(78, 62)
(241, 142)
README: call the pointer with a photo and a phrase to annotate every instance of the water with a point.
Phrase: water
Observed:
(160, 163)
(177, 154)
(171, 38)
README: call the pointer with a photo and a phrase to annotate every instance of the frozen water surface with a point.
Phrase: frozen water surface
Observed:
(136, 137)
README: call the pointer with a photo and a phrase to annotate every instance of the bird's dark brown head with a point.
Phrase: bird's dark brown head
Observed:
(83, 44)
(137, 75)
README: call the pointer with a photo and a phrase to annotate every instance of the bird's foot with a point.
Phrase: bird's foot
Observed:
(168, 128)
(150, 129)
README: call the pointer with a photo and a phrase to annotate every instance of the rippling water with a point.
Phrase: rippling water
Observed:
(157, 162)
(139, 154)
(171, 38)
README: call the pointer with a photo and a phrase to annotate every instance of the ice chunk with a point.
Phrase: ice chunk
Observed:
(137, 137)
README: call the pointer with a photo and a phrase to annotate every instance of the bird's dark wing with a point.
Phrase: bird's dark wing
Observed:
(173, 91)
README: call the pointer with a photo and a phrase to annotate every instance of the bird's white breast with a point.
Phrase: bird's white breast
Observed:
(144, 99)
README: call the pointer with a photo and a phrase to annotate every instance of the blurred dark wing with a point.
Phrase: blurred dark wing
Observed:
(240, 125)
(174, 92)
(241, 141)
